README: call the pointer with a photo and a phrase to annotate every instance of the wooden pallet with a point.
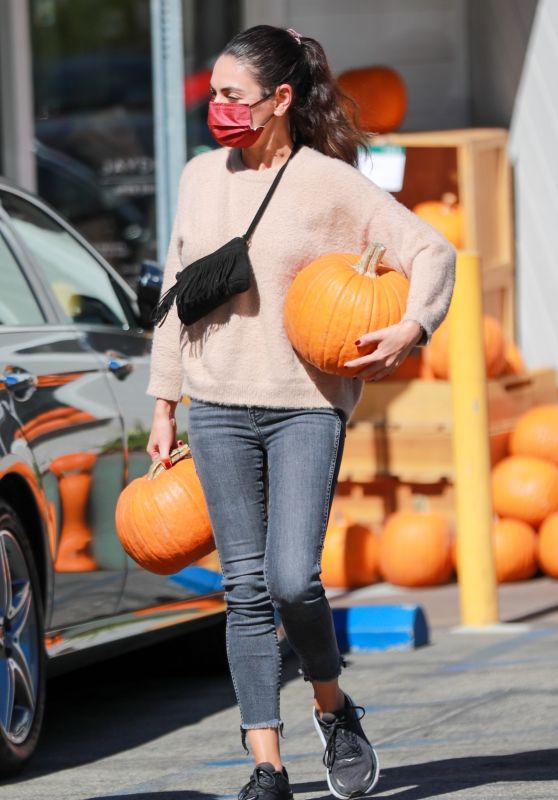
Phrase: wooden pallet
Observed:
(404, 429)
(370, 502)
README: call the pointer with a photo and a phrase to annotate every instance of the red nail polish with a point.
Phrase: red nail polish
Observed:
(358, 342)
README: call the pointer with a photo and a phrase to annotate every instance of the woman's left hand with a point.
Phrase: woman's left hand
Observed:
(394, 344)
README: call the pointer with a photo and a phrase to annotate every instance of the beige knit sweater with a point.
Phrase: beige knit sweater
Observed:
(239, 354)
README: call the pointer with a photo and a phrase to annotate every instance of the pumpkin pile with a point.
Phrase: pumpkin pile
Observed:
(413, 549)
(525, 484)
(417, 547)
(432, 362)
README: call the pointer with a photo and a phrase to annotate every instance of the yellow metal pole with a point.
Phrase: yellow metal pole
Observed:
(471, 448)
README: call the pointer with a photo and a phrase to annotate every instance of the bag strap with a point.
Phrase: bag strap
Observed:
(259, 213)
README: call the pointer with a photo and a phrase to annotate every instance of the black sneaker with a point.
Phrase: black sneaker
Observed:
(266, 783)
(352, 764)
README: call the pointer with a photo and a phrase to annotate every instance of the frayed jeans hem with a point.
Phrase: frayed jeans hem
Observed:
(273, 723)
(311, 678)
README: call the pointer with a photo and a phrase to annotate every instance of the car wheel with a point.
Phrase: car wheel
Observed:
(22, 652)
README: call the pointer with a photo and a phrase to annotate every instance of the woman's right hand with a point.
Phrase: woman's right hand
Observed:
(163, 429)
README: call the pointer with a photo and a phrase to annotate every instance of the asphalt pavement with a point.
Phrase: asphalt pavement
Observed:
(470, 716)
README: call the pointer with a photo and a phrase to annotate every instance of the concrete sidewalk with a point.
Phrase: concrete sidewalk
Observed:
(468, 717)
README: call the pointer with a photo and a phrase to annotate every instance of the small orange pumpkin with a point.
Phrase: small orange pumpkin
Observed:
(380, 94)
(514, 548)
(415, 549)
(536, 433)
(514, 361)
(335, 299)
(162, 519)
(547, 545)
(525, 488)
(446, 215)
(409, 369)
(350, 554)
(437, 352)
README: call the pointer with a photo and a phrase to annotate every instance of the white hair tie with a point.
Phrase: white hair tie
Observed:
(295, 34)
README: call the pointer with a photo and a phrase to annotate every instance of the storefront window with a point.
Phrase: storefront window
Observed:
(208, 26)
(94, 113)
(94, 123)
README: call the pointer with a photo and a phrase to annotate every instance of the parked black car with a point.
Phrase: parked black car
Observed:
(74, 424)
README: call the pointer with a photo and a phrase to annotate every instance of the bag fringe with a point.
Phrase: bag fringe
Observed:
(201, 283)
(161, 310)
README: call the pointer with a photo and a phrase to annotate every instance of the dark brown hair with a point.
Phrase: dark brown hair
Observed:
(317, 115)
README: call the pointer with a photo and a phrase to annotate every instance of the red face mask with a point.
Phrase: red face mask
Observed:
(231, 123)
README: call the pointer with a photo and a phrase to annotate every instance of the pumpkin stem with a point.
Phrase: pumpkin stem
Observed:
(370, 259)
(449, 199)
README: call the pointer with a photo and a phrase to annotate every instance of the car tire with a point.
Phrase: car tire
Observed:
(22, 651)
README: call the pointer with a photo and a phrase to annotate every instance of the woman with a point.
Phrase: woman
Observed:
(266, 429)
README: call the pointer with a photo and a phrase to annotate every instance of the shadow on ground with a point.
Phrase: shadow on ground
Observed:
(121, 703)
(170, 795)
(419, 781)
(435, 778)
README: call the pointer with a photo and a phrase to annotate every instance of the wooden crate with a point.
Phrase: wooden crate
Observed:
(404, 429)
(370, 502)
(473, 164)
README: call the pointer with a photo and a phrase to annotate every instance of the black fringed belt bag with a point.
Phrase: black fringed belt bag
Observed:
(210, 281)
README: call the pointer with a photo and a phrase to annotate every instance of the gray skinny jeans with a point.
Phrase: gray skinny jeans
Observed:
(268, 476)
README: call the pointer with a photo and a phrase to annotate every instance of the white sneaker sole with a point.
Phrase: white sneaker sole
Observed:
(375, 773)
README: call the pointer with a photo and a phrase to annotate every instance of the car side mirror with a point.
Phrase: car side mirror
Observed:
(148, 291)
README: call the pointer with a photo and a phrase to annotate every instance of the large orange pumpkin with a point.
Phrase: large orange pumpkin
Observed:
(350, 555)
(515, 546)
(162, 519)
(525, 488)
(547, 545)
(437, 352)
(415, 549)
(335, 299)
(380, 94)
(446, 215)
(536, 433)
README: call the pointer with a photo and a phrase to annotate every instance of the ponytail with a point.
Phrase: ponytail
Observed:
(318, 114)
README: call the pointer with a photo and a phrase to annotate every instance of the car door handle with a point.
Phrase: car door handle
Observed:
(119, 365)
(17, 379)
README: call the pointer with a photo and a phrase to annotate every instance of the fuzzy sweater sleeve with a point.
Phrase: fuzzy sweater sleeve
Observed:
(413, 247)
(418, 250)
(166, 371)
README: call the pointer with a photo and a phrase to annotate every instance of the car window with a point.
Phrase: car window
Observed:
(18, 305)
(82, 287)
